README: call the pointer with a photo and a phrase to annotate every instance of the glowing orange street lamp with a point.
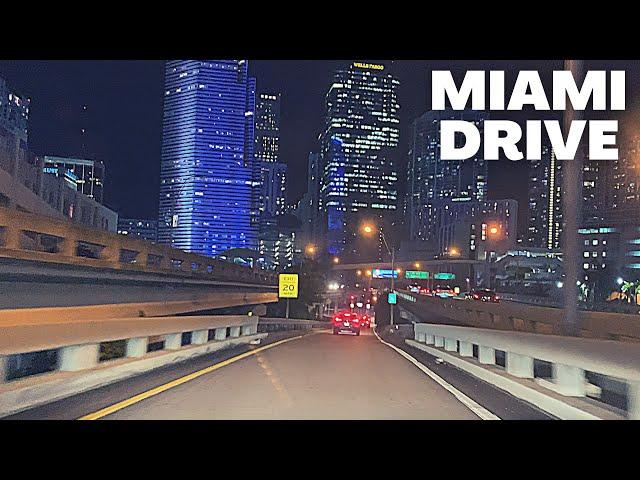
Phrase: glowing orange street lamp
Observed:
(310, 249)
(368, 229)
(454, 252)
(336, 260)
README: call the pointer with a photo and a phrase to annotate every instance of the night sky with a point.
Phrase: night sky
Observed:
(124, 116)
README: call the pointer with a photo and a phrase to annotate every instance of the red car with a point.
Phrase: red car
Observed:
(346, 322)
(365, 321)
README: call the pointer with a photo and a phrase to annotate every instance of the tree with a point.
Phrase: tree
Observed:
(629, 289)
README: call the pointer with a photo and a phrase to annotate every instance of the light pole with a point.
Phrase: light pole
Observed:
(368, 230)
(571, 202)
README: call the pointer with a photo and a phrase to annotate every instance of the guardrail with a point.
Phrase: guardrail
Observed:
(522, 317)
(32, 237)
(570, 357)
(78, 342)
(275, 324)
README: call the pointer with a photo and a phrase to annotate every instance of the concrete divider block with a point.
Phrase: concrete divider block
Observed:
(486, 355)
(420, 337)
(569, 381)
(439, 341)
(519, 366)
(4, 365)
(199, 337)
(137, 347)
(173, 341)
(235, 332)
(633, 400)
(221, 333)
(247, 329)
(429, 339)
(78, 357)
(466, 349)
(450, 344)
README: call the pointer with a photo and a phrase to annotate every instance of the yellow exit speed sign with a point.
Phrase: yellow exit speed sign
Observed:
(288, 285)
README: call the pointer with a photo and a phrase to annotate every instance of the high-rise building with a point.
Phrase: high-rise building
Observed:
(623, 185)
(358, 146)
(272, 173)
(137, 227)
(544, 226)
(208, 203)
(473, 229)
(89, 174)
(431, 179)
(14, 113)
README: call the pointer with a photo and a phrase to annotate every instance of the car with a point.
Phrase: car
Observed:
(365, 321)
(483, 295)
(443, 291)
(346, 322)
(414, 288)
(424, 291)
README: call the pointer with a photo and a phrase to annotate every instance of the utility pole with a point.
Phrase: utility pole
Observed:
(572, 214)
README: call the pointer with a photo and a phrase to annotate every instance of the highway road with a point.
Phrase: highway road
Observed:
(320, 376)
(316, 376)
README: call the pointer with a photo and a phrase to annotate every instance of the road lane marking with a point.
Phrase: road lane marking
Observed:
(179, 381)
(472, 405)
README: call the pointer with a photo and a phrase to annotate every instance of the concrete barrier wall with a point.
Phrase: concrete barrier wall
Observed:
(521, 317)
(33, 237)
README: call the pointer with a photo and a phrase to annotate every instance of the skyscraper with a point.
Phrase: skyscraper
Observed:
(544, 227)
(272, 173)
(207, 194)
(432, 180)
(357, 150)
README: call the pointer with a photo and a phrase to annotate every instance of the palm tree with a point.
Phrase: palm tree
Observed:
(629, 289)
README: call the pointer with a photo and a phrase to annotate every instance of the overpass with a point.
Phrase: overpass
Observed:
(129, 329)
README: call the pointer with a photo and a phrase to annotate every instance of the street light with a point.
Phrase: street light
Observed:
(310, 249)
(454, 252)
(336, 260)
(368, 229)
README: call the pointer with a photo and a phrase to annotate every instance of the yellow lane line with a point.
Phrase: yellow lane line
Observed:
(163, 388)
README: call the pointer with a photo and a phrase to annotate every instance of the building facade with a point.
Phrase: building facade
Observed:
(272, 172)
(358, 144)
(476, 229)
(431, 179)
(14, 113)
(137, 227)
(89, 174)
(208, 200)
(544, 224)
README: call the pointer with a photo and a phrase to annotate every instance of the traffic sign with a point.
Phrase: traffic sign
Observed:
(420, 275)
(445, 276)
(288, 285)
(393, 298)
(384, 273)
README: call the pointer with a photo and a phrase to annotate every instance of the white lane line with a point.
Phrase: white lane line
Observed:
(472, 405)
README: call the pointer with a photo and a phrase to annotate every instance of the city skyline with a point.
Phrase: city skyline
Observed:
(58, 114)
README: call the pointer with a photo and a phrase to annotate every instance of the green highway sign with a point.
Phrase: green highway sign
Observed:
(444, 276)
(416, 274)
(393, 298)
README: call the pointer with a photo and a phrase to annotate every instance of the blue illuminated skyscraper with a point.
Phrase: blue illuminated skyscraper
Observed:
(207, 195)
